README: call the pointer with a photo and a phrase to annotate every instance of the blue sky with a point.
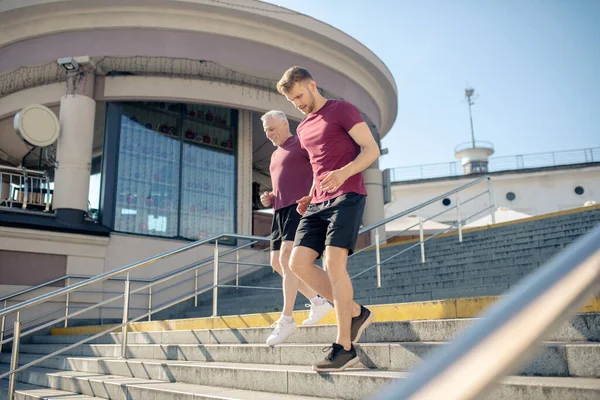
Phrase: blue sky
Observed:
(535, 65)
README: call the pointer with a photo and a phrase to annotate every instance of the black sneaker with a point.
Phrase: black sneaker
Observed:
(337, 360)
(359, 324)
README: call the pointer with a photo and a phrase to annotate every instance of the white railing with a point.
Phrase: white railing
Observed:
(25, 189)
(496, 164)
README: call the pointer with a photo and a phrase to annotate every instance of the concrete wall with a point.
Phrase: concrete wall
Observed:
(536, 193)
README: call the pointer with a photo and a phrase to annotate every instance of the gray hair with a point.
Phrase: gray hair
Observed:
(274, 114)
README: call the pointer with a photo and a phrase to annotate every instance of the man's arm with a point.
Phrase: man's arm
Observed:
(305, 201)
(362, 135)
(266, 199)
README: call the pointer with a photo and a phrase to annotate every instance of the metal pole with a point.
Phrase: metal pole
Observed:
(460, 238)
(47, 194)
(471, 120)
(14, 359)
(125, 318)
(215, 279)
(11, 194)
(492, 205)
(422, 242)
(196, 287)
(67, 304)
(237, 268)
(3, 324)
(378, 257)
(149, 303)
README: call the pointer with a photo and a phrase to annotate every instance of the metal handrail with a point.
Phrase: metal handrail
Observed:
(496, 164)
(127, 268)
(13, 369)
(62, 278)
(159, 280)
(425, 204)
(510, 331)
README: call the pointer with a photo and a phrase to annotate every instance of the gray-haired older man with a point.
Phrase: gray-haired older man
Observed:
(291, 178)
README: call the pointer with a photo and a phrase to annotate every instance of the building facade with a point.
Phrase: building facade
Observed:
(160, 142)
(528, 184)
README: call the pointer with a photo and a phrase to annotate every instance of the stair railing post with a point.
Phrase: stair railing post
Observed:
(124, 329)
(14, 358)
(196, 287)
(378, 257)
(67, 304)
(215, 279)
(2, 325)
(237, 269)
(422, 242)
(460, 236)
(149, 303)
(492, 205)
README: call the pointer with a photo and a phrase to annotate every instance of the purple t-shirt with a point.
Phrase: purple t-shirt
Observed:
(325, 137)
(291, 173)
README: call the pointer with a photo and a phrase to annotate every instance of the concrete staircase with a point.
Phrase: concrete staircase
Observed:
(487, 262)
(236, 364)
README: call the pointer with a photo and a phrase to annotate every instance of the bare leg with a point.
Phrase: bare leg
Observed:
(302, 287)
(342, 293)
(302, 264)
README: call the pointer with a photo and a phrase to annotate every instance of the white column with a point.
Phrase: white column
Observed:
(244, 173)
(374, 211)
(74, 152)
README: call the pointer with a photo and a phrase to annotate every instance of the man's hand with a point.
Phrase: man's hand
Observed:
(266, 199)
(331, 181)
(303, 204)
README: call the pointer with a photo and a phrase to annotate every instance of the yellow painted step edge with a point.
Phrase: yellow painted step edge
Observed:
(426, 310)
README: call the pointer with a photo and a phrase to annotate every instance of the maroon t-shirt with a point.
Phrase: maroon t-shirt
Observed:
(291, 173)
(325, 137)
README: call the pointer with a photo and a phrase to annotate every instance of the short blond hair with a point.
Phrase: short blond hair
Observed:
(292, 76)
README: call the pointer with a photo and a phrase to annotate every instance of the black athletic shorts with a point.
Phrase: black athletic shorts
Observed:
(334, 222)
(285, 223)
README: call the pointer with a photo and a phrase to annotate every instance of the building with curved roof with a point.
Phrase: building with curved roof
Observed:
(159, 106)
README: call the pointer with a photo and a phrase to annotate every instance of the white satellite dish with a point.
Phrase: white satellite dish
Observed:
(37, 125)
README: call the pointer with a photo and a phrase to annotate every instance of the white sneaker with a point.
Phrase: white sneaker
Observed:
(282, 330)
(317, 313)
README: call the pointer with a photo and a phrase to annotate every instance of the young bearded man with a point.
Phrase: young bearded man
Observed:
(291, 178)
(340, 146)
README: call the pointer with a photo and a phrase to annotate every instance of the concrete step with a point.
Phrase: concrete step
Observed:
(397, 286)
(43, 383)
(582, 327)
(394, 290)
(436, 294)
(554, 359)
(446, 273)
(457, 253)
(281, 380)
(26, 391)
(528, 238)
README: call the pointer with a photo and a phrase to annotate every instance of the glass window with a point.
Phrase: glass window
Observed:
(176, 170)
(208, 196)
(147, 195)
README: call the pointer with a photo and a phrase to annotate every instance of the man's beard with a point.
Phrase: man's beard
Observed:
(310, 106)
